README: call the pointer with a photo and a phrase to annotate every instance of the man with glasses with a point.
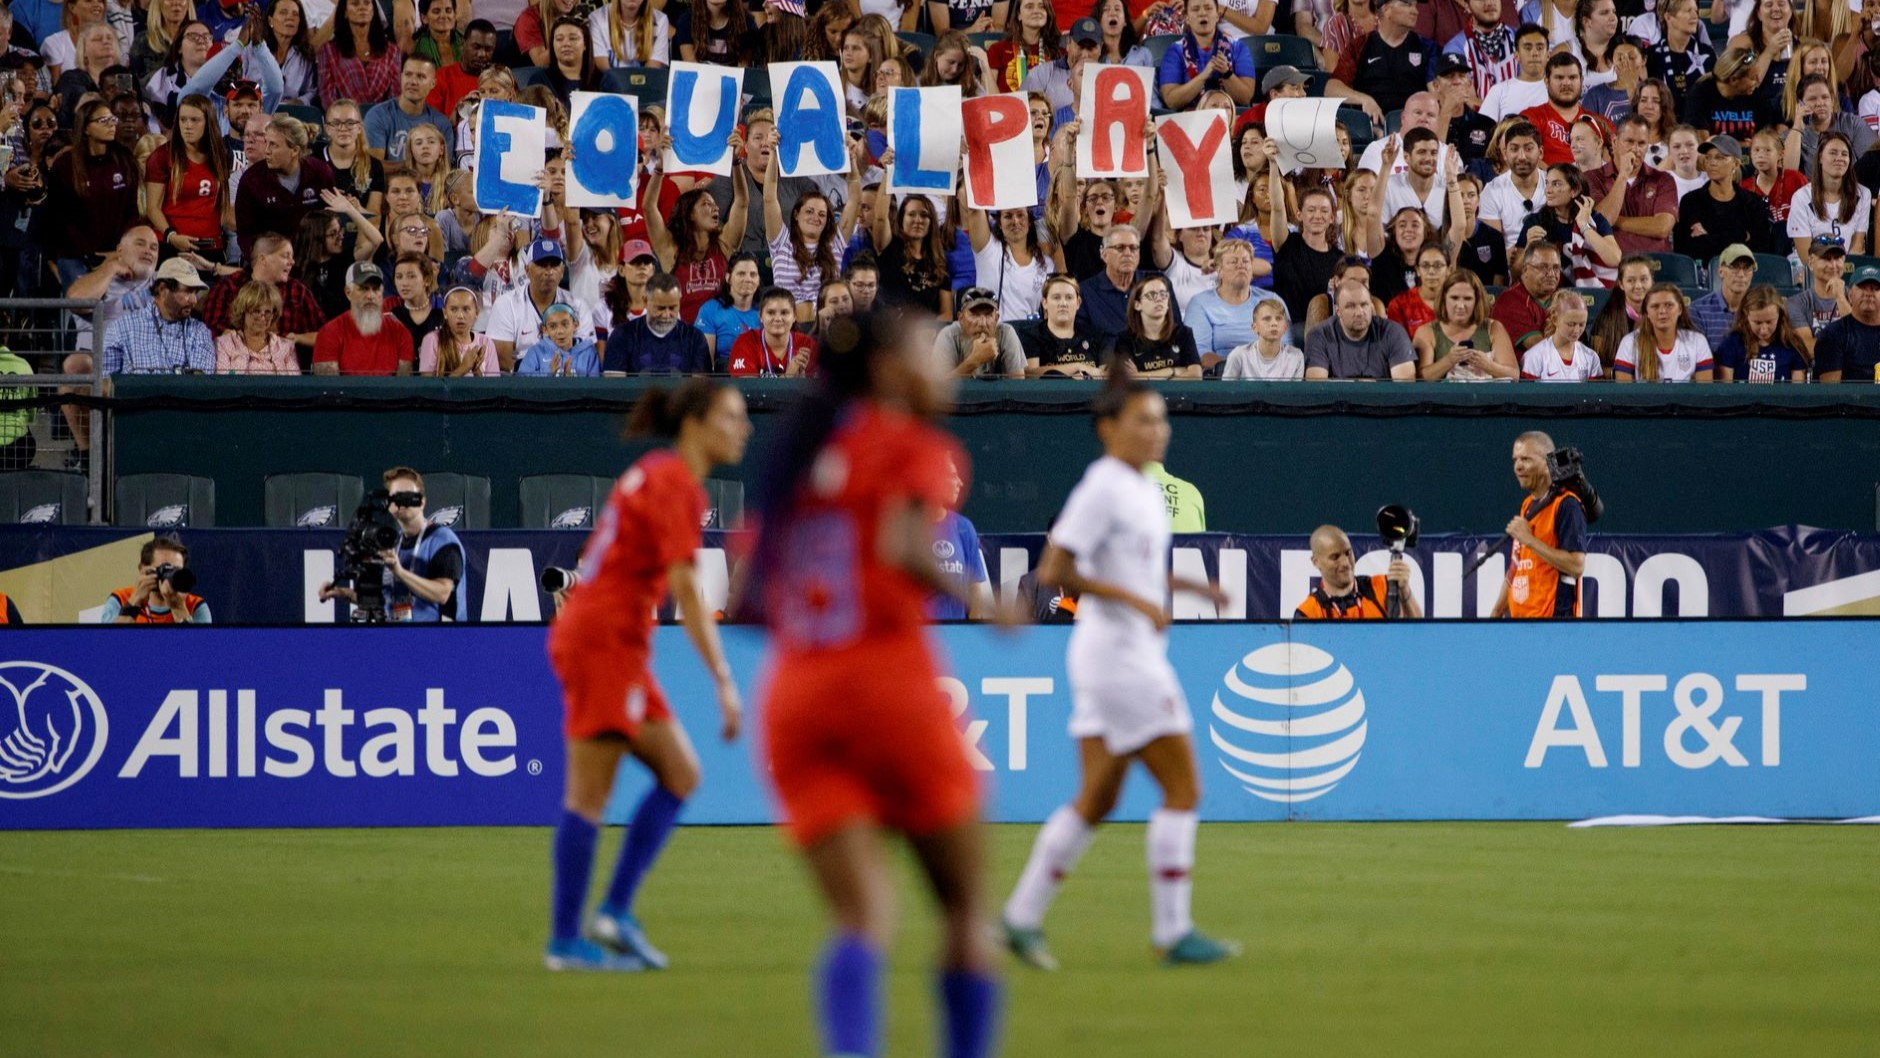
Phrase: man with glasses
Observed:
(1105, 309)
(1522, 308)
(424, 574)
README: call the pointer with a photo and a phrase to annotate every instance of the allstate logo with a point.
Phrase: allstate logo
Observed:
(1289, 722)
(52, 729)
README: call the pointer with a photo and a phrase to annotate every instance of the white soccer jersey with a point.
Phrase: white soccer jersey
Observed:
(1689, 355)
(1116, 525)
(1542, 363)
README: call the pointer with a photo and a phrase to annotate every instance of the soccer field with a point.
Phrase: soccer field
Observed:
(1432, 938)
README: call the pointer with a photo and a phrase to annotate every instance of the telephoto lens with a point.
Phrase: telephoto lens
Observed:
(555, 579)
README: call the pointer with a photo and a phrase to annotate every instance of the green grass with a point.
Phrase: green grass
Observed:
(1449, 939)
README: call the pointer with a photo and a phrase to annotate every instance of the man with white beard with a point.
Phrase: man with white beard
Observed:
(359, 342)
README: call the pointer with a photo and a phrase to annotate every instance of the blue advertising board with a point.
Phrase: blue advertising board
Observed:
(416, 726)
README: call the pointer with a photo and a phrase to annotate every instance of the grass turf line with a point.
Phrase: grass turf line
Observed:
(1430, 938)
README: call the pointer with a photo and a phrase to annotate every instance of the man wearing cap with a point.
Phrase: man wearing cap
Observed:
(1715, 312)
(515, 322)
(364, 340)
(977, 344)
(1459, 120)
(162, 337)
(460, 78)
(1060, 81)
(1280, 82)
(1385, 67)
(1848, 350)
(242, 102)
(391, 122)
(1485, 47)
(1721, 214)
(1728, 104)
(1639, 201)
(1824, 298)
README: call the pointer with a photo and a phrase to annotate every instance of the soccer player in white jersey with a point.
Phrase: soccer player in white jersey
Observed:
(1110, 548)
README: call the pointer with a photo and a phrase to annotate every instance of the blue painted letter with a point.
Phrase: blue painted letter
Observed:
(817, 126)
(496, 119)
(611, 167)
(905, 138)
(701, 149)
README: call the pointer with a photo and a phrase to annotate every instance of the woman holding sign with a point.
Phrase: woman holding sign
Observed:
(803, 254)
(698, 245)
(909, 249)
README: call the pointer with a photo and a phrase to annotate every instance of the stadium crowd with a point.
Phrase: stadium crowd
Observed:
(1558, 190)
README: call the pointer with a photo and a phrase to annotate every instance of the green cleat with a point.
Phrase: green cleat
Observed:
(1028, 946)
(1194, 949)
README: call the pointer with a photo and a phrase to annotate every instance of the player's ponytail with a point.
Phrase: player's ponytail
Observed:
(1120, 386)
(660, 412)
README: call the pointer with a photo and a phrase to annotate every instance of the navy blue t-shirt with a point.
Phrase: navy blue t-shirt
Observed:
(1772, 363)
(956, 552)
(1850, 347)
(1569, 522)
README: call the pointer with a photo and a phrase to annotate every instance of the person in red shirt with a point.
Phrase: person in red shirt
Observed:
(360, 342)
(858, 737)
(1555, 117)
(460, 78)
(601, 648)
(776, 348)
(186, 185)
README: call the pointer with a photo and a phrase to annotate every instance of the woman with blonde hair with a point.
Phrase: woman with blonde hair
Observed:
(61, 49)
(253, 344)
(412, 233)
(629, 33)
(1665, 346)
(358, 173)
(163, 20)
(1811, 56)
(1561, 356)
(455, 350)
(1461, 344)
(428, 158)
(1361, 215)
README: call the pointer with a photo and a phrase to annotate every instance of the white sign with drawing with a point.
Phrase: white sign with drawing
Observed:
(1306, 131)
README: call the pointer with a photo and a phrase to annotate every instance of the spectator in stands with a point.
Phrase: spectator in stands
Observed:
(162, 337)
(659, 341)
(162, 22)
(864, 277)
(186, 185)
(1472, 243)
(416, 305)
(1105, 296)
(1568, 220)
(1722, 213)
(1394, 270)
(913, 260)
(364, 341)
(1054, 344)
(1761, 346)
(1204, 58)
(1522, 308)
(803, 252)
(776, 349)
(1665, 346)
(1679, 52)
(1460, 343)
(1681, 160)
(1419, 305)
(1620, 314)
(1613, 100)
(1485, 43)
(458, 79)
(391, 122)
(835, 301)
(1459, 120)
(1595, 35)
(1510, 197)
(1640, 202)
(1154, 342)
(1561, 357)
(455, 350)
(1011, 258)
(571, 63)
(1770, 180)
(286, 186)
(1420, 111)
(1554, 119)
(1417, 186)
(734, 311)
(272, 263)
(1348, 269)
(1817, 112)
(360, 62)
(1060, 81)
(87, 69)
(1269, 357)
(190, 69)
(435, 34)
(1302, 262)
(154, 600)
(1358, 344)
(1383, 69)
(697, 247)
(560, 352)
(1716, 313)
(1767, 39)
(515, 318)
(596, 258)
(1528, 86)
(980, 344)
(1848, 350)
(1832, 203)
(532, 25)
(755, 148)
(1823, 299)
(1222, 318)
(359, 173)
(1032, 39)
(1727, 103)
(253, 345)
(92, 192)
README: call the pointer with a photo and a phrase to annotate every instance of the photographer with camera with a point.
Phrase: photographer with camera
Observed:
(1549, 534)
(417, 568)
(161, 595)
(1343, 596)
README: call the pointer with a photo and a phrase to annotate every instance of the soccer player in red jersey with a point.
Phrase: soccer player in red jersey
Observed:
(858, 736)
(601, 648)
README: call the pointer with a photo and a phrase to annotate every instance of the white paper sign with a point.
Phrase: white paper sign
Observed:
(510, 138)
(702, 113)
(1306, 131)
(812, 118)
(999, 171)
(1194, 147)
(1112, 108)
(604, 134)
(925, 134)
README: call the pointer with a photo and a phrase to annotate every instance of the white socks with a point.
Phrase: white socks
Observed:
(1061, 843)
(1171, 853)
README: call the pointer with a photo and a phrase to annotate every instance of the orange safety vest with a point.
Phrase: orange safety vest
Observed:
(1369, 605)
(1536, 589)
(3, 608)
(167, 617)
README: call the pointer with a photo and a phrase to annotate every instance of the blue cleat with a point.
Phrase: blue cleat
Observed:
(585, 955)
(622, 933)
(1194, 949)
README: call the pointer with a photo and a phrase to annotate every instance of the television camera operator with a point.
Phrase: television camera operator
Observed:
(423, 575)
(1549, 534)
(161, 595)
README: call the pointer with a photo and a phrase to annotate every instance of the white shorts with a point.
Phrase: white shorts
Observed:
(1127, 704)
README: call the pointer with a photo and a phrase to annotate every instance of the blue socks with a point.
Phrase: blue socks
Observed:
(574, 864)
(850, 1005)
(651, 825)
(971, 1003)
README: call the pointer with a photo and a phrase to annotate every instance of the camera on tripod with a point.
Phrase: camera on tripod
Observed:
(373, 531)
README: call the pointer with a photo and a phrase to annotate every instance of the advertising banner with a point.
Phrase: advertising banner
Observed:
(421, 726)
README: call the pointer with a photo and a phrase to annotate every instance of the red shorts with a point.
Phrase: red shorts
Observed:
(605, 693)
(866, 734)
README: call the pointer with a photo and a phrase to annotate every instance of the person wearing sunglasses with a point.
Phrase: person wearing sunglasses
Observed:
(424, 574)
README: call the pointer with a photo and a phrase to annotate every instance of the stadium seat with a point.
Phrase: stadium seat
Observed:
(1772, 269)
(164, 501)
(507, 54)
(726, 510)
(42, 497)
(922, 42)
(457, 501)
(648, 83)
(1281, 49)
(529, 75)
(984, 40)
(562, 501)
(1159, 44)
(1392, 122)
(1861, 260)
(1596, 298)
(311, 501)
(305, 114)
(1674, 268)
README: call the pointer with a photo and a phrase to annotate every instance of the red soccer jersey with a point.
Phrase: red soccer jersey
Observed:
(831, 590)
(655, 517)
(190, 203)
(1555, 149)
(752, 356)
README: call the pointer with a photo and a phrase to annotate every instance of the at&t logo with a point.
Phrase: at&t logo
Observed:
(1289, 722)
(52, 729)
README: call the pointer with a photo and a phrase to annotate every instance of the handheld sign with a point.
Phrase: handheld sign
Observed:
(604, 140)
(509, 155)
(1193, 148)
(1306, 131)
(1112, 109)
(924, 131)
(702, 110)
(811, 118)
(999, 172)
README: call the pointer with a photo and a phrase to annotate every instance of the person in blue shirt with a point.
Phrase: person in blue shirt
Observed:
(1763, 346)
(659, 341)
(956, 553)
(561, 353)
(734, 310)
(1203, 59)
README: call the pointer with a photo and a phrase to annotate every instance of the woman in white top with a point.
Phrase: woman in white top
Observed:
(1595, 34)
(61, 49)
(1666, 346)
(1832, 203)
(1190, 267)
(593, 260)
(1561, 356)
(1110, 548)
(1013, 260)
(629, 33)
(1681, 160)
